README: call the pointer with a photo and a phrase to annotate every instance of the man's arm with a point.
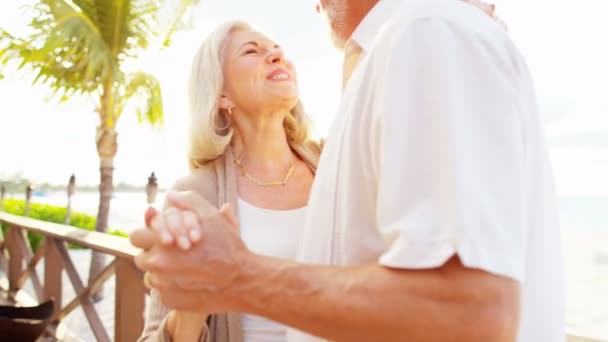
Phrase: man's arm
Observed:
(359, 303)
(375, 303)
(364, 303)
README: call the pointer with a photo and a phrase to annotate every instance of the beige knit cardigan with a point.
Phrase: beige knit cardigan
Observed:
(216, 182)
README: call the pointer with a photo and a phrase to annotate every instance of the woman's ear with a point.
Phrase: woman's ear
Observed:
(225, 103)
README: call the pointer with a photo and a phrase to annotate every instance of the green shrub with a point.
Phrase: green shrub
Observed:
(54, 214)
(118, 233)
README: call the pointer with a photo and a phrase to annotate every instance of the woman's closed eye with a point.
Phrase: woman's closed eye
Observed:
(250, 51)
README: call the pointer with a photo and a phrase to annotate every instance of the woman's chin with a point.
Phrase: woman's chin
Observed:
(287, 96)
(283, 103)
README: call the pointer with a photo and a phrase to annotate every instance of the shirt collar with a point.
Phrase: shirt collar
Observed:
(367, 29)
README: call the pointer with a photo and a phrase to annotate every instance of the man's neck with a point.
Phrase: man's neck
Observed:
(355, 13)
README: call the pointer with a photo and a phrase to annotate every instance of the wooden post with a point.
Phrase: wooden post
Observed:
(71, 189)
(16, 257)
(151, 189)
(26, 212)
(2, 193)
(129, 302)
(53, 268)
(28, 198)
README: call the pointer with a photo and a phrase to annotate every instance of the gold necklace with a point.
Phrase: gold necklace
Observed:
(237, 162)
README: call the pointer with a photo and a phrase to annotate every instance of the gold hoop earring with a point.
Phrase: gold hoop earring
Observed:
(227, 120)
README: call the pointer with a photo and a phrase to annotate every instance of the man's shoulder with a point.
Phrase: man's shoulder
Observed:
(457, 13)
(445, 24)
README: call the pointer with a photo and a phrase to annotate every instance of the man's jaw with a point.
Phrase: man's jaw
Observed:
(336, 40)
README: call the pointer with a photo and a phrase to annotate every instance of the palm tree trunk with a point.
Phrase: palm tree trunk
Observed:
(107, 145)
(98, 260)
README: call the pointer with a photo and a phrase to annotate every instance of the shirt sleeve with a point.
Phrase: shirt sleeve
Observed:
(451, 152)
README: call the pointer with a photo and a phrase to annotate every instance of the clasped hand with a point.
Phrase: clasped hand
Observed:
(192, 252)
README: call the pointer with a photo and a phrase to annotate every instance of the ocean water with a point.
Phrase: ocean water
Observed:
(584, 213)
(577, 213)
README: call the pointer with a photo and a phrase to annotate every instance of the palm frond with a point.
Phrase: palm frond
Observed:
(146, 23)
(89, 9)
(114, 21)
(143, 90)
(128, 26)
(180, 19)
(65, 49)
(80, 46)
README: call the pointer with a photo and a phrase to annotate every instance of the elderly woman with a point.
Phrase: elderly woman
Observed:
(249, 146)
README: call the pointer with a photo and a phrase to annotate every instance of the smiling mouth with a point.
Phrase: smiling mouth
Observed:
(279, 75)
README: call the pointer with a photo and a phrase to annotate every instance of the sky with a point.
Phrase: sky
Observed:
(564, 42)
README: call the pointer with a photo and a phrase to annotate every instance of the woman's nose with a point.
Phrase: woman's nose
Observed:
(275, 56)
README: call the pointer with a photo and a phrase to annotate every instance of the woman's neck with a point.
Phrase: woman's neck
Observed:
(261, 144)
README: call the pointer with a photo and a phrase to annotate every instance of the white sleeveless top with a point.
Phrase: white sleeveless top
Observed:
(273, 233)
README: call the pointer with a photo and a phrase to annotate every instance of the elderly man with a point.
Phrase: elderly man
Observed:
(432, 215)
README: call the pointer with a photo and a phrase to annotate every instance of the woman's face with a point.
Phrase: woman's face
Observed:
(257, 77)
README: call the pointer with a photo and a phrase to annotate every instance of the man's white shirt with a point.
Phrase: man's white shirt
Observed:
(437, 150)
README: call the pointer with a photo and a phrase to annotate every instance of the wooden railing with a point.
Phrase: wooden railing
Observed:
(18, 262)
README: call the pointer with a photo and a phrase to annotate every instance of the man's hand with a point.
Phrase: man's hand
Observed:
(207, 269)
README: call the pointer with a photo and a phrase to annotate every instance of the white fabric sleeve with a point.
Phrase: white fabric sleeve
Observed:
(451, 152)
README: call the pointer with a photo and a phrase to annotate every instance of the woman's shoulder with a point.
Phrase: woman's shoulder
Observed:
(202, 180)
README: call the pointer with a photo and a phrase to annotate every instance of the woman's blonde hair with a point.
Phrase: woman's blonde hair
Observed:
(210, 132)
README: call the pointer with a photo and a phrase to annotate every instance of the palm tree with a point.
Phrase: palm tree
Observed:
(89, 48)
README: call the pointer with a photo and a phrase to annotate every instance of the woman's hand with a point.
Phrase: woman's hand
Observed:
(179, 223)
(176, 223)
(184, 326)
(173, 225)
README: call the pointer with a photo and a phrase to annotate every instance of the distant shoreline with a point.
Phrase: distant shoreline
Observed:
(85, 189)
